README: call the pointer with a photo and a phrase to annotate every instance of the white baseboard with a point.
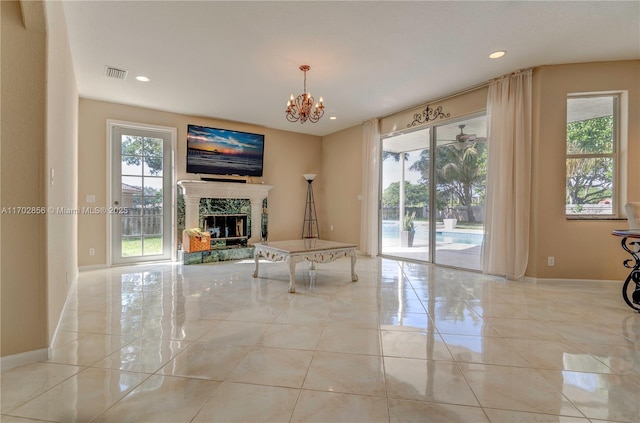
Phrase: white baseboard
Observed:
(580, 282)
(29, 357)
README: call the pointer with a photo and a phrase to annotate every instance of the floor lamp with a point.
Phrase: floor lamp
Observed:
(310, 224)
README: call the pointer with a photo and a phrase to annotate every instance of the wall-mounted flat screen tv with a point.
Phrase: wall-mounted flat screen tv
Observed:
(214, 151)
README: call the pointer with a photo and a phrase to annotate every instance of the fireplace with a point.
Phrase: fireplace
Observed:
(193, 191)
(226, 230)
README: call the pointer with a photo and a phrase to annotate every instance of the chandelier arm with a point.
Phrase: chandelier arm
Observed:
(317, 114)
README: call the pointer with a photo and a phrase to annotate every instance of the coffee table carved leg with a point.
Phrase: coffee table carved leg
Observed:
(292, 276)
(255, 257)
(354, 277)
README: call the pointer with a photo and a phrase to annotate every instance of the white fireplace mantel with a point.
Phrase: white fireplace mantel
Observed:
(193, 191)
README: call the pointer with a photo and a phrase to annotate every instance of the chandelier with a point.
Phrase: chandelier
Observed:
(299, 109)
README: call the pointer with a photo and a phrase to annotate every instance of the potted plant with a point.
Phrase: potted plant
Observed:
(450, 220)
(408, 230)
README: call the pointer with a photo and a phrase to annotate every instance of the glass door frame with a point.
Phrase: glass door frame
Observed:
(401, 207)
(170, 213)
(432, 146)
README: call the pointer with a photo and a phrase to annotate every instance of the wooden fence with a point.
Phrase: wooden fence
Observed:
(142, 221)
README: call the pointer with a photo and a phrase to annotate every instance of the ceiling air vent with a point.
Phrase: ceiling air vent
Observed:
(111, 72)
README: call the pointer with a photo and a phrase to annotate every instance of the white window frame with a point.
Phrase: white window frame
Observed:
(619, 156)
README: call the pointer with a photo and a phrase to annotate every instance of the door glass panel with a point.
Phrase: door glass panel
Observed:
(152, 205)
(152, 147)
(131, 239)
(131, 146)
(153, 166)
(405, 196)
(460, 181)
(131, 246)
(131, 165)
(152, 231)
(153, 186)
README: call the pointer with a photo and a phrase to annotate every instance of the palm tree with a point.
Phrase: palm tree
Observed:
(458, 172)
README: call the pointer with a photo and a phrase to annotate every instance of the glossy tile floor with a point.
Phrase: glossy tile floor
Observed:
(407, 342)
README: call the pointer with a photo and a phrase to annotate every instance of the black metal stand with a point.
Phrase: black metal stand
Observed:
(631, 293)
(310, 224)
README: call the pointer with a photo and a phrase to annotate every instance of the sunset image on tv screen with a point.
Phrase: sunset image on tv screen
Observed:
(224, 152)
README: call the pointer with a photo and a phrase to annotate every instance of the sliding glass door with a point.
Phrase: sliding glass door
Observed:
(460, 181)
(405, 196)
(447, 160)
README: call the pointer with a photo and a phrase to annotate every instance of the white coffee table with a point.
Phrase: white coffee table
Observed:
(313, 250)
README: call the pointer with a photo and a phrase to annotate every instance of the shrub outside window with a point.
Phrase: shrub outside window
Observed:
(592, 162)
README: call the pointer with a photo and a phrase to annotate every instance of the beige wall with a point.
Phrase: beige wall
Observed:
(61, 156)
(582, 249)
(342, 183)
(23, 261)
(288, 155)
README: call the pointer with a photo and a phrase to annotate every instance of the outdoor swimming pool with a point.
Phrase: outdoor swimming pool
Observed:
(391, 235)
(459, 237)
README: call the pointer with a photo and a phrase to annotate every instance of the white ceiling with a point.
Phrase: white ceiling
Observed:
(239, 60)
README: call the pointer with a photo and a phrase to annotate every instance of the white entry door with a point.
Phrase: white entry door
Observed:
(141, 209)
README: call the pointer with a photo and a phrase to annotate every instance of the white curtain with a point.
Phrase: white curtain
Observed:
(505, 250)
(370, 187)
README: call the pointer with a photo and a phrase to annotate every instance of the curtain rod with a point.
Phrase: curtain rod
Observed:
(508, 75)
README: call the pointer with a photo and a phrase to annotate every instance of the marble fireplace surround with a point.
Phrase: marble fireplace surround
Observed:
(193, 191)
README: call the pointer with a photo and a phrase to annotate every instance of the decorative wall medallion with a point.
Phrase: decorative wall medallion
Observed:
(428, 114)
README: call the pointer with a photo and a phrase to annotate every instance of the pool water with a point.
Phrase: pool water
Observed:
(391, 234)
(459, 237)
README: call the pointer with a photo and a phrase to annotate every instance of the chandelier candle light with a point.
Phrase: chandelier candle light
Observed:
(299, 109)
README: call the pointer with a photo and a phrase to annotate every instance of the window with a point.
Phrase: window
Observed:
(592, 156)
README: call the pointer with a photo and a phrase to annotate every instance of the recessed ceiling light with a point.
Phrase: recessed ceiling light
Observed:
(497, 54)
(142, 78)
(333, 117)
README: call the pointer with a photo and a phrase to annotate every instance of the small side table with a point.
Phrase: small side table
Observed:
(631, 244)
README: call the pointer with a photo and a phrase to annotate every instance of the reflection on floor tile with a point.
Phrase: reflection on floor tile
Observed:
(161, 399)
(599, 396)
(82, 397)
(417, 411)
(239, 402)
(346, 373)
(427, 380)
(273, 366)
(407, 342)
(516, 388)
(22, 384)
(316, 406)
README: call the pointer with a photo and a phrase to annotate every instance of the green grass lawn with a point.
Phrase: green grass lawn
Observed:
(132, 247)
